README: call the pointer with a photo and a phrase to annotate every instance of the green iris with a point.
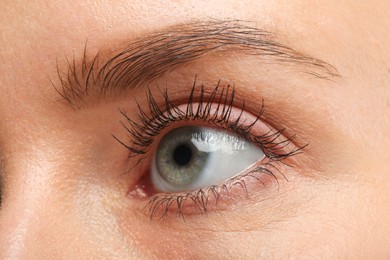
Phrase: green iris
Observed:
(178, 160)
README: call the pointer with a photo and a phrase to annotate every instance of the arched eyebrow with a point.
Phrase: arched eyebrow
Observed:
(151, 56)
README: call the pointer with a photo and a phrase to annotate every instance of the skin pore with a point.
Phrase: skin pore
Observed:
(70, 190)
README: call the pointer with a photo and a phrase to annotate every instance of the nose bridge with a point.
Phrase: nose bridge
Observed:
(15, 227)
(45, 214)
(26, 201)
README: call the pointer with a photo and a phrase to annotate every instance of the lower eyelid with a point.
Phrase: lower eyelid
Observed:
(216, 197)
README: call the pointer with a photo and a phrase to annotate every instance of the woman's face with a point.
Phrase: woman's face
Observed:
(124, 134)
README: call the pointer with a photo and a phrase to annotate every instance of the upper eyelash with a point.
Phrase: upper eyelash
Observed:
(142, 134)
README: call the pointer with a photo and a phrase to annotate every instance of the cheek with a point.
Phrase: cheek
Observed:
(242, 229)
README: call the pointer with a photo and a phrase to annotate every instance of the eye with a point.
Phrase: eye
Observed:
(215, 146)
(189, 158)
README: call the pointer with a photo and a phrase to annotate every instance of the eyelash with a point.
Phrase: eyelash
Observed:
(142, 135)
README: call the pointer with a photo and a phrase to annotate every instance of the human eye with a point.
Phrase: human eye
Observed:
(191, 157)
(198, 150)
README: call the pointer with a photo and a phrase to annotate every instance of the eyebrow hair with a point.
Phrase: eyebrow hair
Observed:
(150, 57)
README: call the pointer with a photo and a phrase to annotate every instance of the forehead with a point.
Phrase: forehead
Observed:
(35, 35)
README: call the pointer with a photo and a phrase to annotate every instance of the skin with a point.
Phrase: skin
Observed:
(63, 192)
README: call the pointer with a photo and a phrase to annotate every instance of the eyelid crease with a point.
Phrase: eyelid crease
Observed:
(151, 56)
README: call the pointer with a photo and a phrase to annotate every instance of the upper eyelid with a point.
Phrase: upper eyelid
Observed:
(150, 57)
(149, 123)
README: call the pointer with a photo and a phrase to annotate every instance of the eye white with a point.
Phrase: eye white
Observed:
(189, 158)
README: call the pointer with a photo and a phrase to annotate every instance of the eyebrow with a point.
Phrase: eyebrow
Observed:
(149, 57)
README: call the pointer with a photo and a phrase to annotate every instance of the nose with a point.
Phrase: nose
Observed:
(46, 214)
(30, 223)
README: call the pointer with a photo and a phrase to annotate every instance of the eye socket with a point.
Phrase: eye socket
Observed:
(189, 158)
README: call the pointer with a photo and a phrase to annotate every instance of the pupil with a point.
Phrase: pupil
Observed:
(182, 155)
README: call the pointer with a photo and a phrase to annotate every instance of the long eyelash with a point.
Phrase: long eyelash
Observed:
(149, 124)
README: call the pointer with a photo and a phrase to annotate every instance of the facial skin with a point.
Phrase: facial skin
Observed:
(64, 191)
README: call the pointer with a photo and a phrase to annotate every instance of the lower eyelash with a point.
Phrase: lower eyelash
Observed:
(149, 125)
(159, 205)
